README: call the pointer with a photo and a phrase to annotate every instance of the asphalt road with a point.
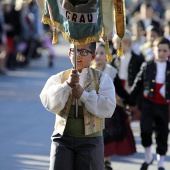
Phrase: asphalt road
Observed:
(26, 126)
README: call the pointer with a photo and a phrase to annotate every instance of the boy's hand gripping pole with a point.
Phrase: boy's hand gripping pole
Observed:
(75, 66)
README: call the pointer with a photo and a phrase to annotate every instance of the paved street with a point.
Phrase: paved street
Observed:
(26, 127)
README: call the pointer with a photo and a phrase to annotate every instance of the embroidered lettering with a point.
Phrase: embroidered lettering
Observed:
(119, 9)
(67, 14)
(82, 19)
(90, 17)
(74, 17)
(80, 16)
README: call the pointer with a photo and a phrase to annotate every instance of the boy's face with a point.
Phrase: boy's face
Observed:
(146, 12)
(100, 59)
(84, 56)
(167, 29)
(151, 36)
(126, 45)
(162, 52)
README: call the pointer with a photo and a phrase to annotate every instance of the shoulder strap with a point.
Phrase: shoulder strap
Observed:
(97, 76)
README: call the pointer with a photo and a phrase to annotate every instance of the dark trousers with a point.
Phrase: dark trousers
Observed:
(155, 118)
(76, 153)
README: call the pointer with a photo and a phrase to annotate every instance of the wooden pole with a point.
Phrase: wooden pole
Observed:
(75, 66)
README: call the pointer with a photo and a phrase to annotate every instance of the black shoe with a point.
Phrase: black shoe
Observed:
(145, 165)
(161, 168)
(108, 165)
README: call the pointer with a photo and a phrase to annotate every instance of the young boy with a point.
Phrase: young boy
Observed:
(122, 142)
(153, 80)
(77, 142)
(129, 64)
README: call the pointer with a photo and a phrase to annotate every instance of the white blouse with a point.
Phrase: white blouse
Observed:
(124, 63)
(55, 95)
(161, 70)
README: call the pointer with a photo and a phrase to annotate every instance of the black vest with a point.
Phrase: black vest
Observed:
(133, 67)
(149, 75)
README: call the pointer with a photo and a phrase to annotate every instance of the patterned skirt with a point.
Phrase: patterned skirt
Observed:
(118, 136)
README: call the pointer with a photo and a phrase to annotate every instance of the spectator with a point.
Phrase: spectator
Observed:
(3, 47)
(147, 16)
(138, 37)
(146, 49)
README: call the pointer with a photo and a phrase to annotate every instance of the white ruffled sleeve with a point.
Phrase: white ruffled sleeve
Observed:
(54, 94)
(102, 104)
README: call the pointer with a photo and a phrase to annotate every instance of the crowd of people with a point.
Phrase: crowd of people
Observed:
(135, 86)
(22, 35)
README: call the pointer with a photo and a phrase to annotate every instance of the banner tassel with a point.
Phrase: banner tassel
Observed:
(109, 57)
(120, 50)
(55, 36)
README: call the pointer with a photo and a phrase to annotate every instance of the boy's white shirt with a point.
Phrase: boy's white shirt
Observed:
(160, 76)
(55, 95)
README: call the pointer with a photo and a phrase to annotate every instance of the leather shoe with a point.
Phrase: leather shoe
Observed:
(145, 165)
(161, 168)
(108, 165)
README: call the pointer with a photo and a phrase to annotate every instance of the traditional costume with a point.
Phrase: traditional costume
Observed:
(96, 103)
(153, 80)
(118, 136)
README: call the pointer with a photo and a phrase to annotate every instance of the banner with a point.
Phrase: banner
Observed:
(79, 24)
(84, 21)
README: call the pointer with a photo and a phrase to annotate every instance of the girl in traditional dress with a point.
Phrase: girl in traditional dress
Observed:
(118, 136)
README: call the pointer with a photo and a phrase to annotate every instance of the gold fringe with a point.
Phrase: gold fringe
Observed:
(55, 36)
(120, 50)
(109, 57)
(28, 1)
(80, 41)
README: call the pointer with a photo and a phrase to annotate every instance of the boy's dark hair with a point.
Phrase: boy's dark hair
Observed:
(161, 40)
(148, 5)
(139, 24)
(92, 47)
(154, 29)
(100, 44)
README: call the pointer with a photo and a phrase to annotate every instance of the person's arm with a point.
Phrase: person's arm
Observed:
(120, 91)
(138, 83)
(55, 94)
(102, 104)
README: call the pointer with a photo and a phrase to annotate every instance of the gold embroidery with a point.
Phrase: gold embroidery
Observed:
(92, 123)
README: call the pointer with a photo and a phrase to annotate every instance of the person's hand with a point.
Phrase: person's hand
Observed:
(73, 79)
(131, 108)
(77, 91)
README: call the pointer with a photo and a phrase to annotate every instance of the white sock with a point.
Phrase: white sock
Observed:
(160, 159)
(148, 155)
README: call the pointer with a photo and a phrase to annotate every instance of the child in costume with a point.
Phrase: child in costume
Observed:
(153, 80)
(77, 141)
(118, 136)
